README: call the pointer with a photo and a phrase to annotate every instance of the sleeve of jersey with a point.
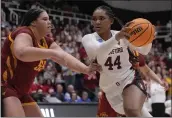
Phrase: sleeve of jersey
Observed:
(141, 60)
(108, 44)
(143, 49)
(23, 30)
(90, 46)
(93, 48)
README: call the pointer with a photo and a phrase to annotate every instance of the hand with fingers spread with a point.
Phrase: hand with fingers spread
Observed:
(123, 34)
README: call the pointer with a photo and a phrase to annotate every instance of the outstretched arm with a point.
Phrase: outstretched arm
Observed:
(23, 50)
(148, 72)
(68, 60)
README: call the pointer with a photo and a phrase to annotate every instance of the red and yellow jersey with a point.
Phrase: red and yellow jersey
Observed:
(16, 73)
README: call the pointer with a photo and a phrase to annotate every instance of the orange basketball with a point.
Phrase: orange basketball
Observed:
(142, 32)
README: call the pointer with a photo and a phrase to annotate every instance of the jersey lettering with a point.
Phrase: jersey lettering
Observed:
(117, 50)
(40, 66)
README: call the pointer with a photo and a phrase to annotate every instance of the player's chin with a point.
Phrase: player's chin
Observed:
(99, 31)
(48, 30)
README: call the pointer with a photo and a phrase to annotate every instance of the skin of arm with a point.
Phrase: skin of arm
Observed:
(68, 60)
(23, 50)
(147, 72)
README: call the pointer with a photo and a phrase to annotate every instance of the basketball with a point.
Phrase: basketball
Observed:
(142, 32)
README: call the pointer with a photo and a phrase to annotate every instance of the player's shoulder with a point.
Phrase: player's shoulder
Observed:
(114, 32)
(89, 36)
(20, 30)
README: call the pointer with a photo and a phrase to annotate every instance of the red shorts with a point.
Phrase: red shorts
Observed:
(25, 99)
(104, 108)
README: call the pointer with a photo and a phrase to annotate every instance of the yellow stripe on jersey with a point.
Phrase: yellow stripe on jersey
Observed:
(9, 66)
(135, 53)
(30, 103)
(44, 44)
(11, 47)
(5, 76)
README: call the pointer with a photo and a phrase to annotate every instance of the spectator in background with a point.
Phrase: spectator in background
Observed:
(73, 97)
(168, 25)
(38, 96)
(158, 99)
(49, 71)
(59, 92)
(48, 84)
(70, 89)
(168, 108)
(158, 25)
(3, 37)
(51, 92)
(38, 84)
(7, 30)
(84, 97)
(75, 8)
(59, 78)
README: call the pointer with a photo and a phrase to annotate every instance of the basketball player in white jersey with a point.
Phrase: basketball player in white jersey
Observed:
(110, 49)
(145, 73)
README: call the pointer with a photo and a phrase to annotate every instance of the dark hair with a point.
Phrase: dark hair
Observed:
(110, 13)
(30, 16)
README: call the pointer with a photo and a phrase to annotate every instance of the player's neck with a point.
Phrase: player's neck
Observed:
(106, 35)
(37, 35)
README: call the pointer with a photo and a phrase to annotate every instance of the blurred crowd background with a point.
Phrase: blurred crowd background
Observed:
(71, 22)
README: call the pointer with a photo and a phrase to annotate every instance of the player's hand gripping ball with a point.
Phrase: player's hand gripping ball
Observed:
(141, 32)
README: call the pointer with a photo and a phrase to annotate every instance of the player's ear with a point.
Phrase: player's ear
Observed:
(33, 23)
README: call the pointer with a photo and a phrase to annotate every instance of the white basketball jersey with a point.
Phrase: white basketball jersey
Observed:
(113, 56)
(114, 60)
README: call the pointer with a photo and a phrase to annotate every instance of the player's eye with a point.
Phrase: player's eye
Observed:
(94, 19)
(45, 19)
(102, 18)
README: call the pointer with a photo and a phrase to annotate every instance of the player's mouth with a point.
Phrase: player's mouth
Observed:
(49, 27)
(97, 28)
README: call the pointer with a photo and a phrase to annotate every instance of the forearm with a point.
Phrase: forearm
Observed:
(148, 72)
(109, 43)
(154, 77)
(30, 54)
(71, 62)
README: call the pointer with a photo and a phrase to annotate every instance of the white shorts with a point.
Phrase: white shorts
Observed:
(114, 95)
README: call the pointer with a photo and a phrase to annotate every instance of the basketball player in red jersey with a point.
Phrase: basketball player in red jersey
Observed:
(24, 54)
(138, 62)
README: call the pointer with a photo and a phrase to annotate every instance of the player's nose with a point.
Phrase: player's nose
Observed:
(97, 22)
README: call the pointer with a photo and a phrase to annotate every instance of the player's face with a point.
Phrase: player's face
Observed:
(101, 21)
(43, 23)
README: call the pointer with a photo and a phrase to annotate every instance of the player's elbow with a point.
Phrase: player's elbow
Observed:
(20, 54)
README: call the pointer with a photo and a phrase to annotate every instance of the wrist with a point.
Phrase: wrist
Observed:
(160, 82)
(86, 70)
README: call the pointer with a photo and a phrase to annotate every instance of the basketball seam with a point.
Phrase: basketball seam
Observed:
(137, 25)
(140, 34)
(148, 39)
